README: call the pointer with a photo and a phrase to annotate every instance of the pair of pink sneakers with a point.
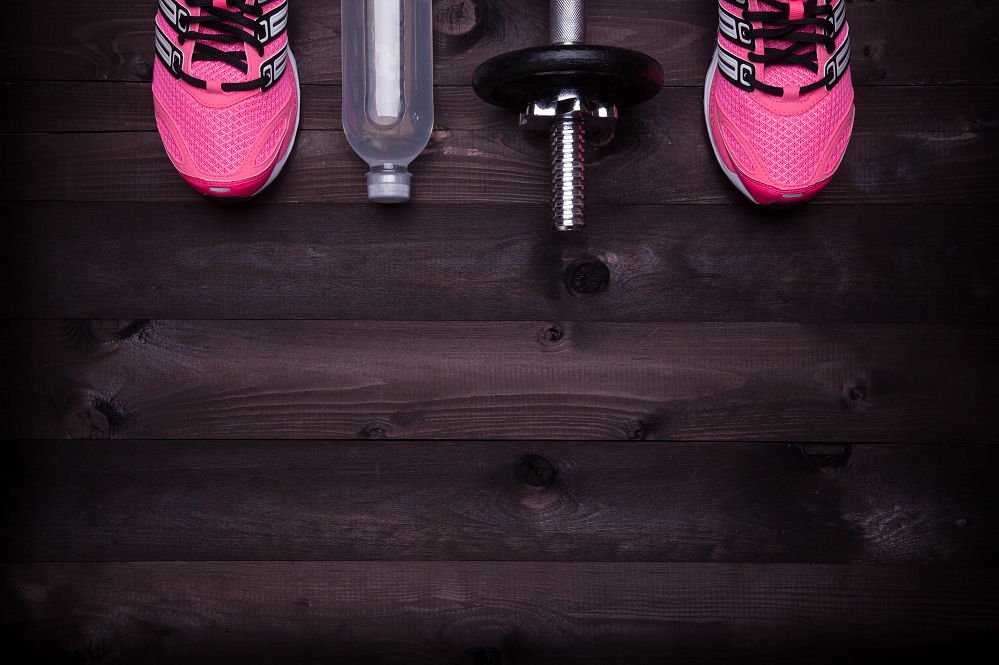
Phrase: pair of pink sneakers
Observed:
(778, 98)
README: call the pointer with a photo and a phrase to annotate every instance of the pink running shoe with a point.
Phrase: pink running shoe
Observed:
(778, 98)
(225, 88)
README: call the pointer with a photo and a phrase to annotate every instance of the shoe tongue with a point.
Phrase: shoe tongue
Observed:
(215, 70)
(788, 75)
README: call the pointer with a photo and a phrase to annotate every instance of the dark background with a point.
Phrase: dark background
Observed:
(312, 429)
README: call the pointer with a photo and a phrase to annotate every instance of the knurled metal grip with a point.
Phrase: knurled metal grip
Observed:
(568, 145)
(568, 21)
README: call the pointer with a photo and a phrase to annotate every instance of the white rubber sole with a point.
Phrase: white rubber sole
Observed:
(732, 175)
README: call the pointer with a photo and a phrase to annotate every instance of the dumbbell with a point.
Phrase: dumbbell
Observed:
(565, 87)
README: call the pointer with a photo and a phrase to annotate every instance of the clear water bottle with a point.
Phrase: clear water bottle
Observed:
(388, 88)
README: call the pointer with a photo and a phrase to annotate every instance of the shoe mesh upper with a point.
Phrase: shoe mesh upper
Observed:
(169, 142)
(738, 151)
(271, 143)
(838, 152)
(219, 138)
(789, 146)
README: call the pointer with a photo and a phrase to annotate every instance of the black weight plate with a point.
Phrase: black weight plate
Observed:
(615, 75)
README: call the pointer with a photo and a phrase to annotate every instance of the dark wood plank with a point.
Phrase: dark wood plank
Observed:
(443, 613)
(894, 42)
(509, 166)
(245, 500)
(932, 145)
(302, 379)
(74, 106)
(682, 263)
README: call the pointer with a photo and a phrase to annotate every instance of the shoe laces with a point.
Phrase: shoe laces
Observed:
(802, 47)
(227, 26)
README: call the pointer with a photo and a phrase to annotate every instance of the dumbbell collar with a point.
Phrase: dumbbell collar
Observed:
(569, 103)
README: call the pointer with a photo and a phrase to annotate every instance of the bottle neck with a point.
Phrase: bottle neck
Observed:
(389, 168)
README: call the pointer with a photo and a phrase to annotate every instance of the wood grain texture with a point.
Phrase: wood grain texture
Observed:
(115, 42)
(928, 145)
(349, 501)
(508, 166)
(832, 264)
(318, 379)
(437, 613)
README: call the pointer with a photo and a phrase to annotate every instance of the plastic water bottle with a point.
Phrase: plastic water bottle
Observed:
(388, 92)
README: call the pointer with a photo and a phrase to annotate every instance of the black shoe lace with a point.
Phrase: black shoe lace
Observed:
(777, 25)
(227, 25)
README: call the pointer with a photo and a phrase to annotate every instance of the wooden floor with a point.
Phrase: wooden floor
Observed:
(439, 432)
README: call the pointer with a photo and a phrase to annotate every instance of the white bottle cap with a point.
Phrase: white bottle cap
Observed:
(388, 186)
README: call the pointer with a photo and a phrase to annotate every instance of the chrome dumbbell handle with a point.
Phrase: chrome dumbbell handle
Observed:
(568, 21)
(567, 140)
(568, 137)
(568, 88)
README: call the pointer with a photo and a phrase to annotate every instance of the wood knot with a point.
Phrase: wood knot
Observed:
(143, 70)
(100, 332)
(458, 24)
(551, 335)
(536, 471)
(374, 431)
(825, 456)
(636, 431)
(86, 422)
(858, 393)
(481, 656)
(877, 75)
(587, 277)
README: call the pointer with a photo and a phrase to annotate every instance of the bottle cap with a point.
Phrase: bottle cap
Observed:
(388, 186)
